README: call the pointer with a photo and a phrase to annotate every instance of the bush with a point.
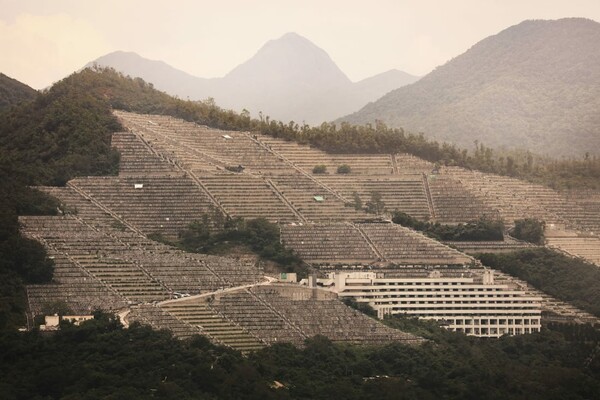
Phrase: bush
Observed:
(320, 169)
(344, 169)
(357, 202)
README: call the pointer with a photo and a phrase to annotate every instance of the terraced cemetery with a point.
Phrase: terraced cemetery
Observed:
(173, 172)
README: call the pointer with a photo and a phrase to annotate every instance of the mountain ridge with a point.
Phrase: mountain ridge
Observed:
(289, 78)
(535, 84)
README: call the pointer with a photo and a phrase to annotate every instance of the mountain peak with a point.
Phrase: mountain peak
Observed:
(291, 36)
(292, 57)
(124, 59)
(289, 78)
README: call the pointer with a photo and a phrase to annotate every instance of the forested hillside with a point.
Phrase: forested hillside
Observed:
(102, 360)
(534, 86)
(563, 277)
(63, 133)
(14, 92)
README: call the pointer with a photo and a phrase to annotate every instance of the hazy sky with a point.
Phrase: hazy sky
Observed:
(42, 41)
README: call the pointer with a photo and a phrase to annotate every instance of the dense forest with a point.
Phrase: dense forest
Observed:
(14, 92)
(62, 133)
(529, 229)
(22, 260)
(100, 360)
(563, 277)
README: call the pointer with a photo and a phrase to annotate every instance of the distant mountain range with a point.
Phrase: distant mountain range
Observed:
(535, 85)
(288, 79)
(12, 91)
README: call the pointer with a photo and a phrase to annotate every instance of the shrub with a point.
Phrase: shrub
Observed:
(320, 169)
(344, 169)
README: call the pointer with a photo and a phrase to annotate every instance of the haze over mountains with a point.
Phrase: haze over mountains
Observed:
(289, 78)
(535, 85)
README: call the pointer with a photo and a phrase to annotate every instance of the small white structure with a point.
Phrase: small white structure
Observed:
(290, 277)
(51, 323)
(138, 185)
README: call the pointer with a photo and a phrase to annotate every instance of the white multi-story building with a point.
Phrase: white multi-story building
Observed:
(473, 305)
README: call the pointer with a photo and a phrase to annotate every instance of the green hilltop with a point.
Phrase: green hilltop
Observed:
(14, 92)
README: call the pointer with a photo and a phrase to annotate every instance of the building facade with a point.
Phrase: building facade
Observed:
(473, 305)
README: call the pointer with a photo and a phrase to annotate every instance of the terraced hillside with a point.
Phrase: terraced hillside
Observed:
(276, 181)
(344, 243)
(104, 262)
(269, 314)
(173, 172)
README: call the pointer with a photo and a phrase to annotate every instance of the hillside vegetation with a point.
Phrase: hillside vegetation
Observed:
(135, 95)
(477, 231)
(14, 92)
(65, 132)
(100, 360)
(62, 133)
(568, 279)
(215, 235)
(534, 86)
(112, 89)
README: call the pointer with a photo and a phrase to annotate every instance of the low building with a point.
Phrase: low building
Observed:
(289, 277)
(474, 305)
(52, 322)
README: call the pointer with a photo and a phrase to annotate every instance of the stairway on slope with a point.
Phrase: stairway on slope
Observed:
(199, 314)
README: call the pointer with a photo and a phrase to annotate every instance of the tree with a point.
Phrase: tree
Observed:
(197, 235)
(357, 201)
(375, 205)
(529, 229)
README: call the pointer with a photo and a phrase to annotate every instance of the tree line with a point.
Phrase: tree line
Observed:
(138, 96)
(101, 360)
(483, 229)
